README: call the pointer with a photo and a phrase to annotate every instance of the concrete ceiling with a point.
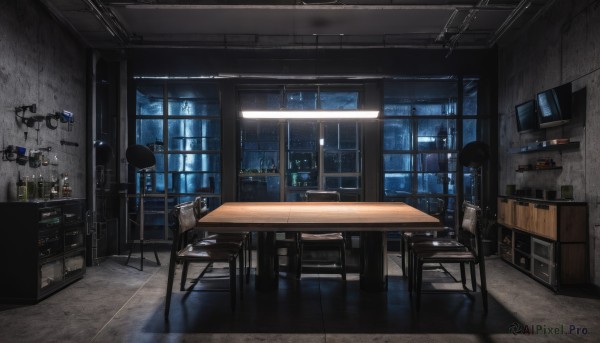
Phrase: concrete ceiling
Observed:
(291, 24)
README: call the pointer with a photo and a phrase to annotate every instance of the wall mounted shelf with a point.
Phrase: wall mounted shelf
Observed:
(542, 146)
(538, 169)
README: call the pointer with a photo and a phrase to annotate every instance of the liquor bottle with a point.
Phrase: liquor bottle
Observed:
(66, 186)
(31, 187)
(40, 187)
(21, 189)
(26, 190)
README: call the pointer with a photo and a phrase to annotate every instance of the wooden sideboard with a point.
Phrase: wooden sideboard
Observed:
(548, 240)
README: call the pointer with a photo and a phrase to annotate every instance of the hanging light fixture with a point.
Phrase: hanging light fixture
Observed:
(311, 114)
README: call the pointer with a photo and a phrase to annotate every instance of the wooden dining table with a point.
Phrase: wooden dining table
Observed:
(370, 219)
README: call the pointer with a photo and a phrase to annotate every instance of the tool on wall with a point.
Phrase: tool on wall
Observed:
(63, 142)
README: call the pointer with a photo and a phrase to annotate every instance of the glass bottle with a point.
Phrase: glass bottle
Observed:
(25, 189)
(66, 186)
(21, 189)
(32, 187)
(40, 187)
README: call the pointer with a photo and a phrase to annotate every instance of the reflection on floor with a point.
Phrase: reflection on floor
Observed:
(116, 303)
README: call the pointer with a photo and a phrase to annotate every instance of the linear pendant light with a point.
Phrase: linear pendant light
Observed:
(310, 114)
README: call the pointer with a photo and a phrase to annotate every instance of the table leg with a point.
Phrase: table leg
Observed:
(266, 279)
(373, 261)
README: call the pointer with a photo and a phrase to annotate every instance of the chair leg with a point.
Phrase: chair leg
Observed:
(343, 260)
(419, 280)
(410, 272)
(184, 270)
(299, 264)
(242, 267)
(473, 277)
(232, 281)
(402, 254)
(463, 275)
(169, 286)
(249, 250)
(483, 286)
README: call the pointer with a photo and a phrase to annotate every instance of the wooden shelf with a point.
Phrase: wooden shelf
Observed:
(538, 169)
(543, 147)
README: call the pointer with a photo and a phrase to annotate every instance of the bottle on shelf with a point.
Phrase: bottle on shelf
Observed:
(40, 187)
(21, 189)
(66, 188)
(31, 187)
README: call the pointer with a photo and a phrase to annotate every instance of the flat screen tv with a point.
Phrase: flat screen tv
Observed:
(554, 106)
(527, 119)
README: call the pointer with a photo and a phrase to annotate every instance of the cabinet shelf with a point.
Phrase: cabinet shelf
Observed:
(542, 146)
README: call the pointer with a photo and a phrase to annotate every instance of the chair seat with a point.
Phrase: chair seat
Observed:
(333, 236)
(447, 256)
(218, 238)
(437, 244)
(217, 244)
(412, 235)
(210, 253)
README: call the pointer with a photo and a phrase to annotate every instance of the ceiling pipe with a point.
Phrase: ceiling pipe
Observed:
(509, 21)
(464, 26)
(108, 20)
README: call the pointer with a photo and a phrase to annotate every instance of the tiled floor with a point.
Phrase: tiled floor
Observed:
(116, 303)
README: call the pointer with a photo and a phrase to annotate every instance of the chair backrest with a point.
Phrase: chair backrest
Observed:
(471, 224)
(200, 207)
(314, 195)
(184, 217)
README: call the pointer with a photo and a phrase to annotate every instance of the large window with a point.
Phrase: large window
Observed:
(280, 160)
(425, 124)
(181, 123)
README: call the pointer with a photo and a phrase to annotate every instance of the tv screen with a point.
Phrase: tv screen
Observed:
(526, 117)
(554, 106)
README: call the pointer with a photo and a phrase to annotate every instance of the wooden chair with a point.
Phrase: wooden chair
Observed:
(203, 251)
(325, 240)
(472, 255)
(408, 238)
(201, 209)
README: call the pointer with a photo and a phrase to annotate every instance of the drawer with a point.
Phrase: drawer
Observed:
(523, 217)
(74, 264)
(73, 239)
(542, 249)
(51, 273)
(544, 220)
(506, 211)
(544, 271)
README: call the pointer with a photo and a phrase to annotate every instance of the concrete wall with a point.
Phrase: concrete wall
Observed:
(43, 64)
(561, 46)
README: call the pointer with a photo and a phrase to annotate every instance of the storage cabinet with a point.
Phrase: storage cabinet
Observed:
(545, 239)
(42, 248)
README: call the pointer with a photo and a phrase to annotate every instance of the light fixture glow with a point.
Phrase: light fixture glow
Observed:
(283, 114)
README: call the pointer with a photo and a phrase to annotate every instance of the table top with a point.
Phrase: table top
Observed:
(318, 216)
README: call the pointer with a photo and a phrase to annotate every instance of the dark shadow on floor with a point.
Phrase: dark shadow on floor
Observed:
(319, 305)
